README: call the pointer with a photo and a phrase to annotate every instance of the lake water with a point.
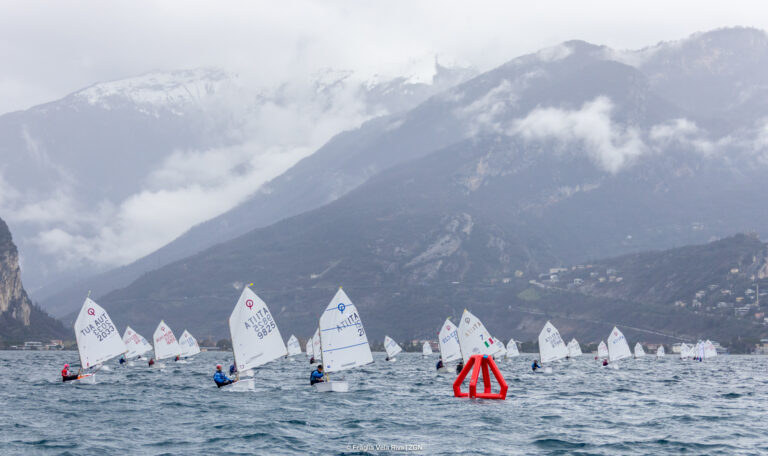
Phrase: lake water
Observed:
(647, 407)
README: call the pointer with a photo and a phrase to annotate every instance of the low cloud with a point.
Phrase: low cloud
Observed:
(612, 146)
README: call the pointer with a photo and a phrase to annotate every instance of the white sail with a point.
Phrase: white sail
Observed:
(574, 349)
(343, 341)
(255, 337)
(639, 352)
(426, 348)
(502, 349)
(685, 351)
(135, 343)
(700, 349)
(512, 350)
(448, 339)
(602, 350)
(316, 352)
(97, 338)
(308, 348)
(188, 344)
(551, 346)
(660, 351)
(709, 350)
(293, 346)
(166, 345)
(618, 348)
(474, 339)
(391, 347)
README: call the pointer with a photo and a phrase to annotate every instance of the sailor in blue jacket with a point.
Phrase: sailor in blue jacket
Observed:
(317, 375)
(220, 378)
(535, 365)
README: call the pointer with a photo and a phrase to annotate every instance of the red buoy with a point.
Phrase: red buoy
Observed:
(477, 363)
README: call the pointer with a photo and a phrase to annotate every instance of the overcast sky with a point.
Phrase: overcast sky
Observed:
(49, 49)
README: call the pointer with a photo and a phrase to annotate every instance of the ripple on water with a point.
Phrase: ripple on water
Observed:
(658, 407)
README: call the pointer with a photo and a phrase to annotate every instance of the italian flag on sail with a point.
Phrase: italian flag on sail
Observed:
(486, 342)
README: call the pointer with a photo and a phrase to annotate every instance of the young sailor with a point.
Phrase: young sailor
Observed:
(151, 362)
(220, 378)
(232, 369)
(122, 360)
(66, 375)
(605, 362)
(317, 375)
(460, 366)
(439, 363)
(535, 365)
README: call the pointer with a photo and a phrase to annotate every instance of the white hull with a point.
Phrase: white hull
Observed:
(614, 366)
(336, 386)
(240, 386)
(392, 360)
(181, 361)
(158, 366)
(442, 370)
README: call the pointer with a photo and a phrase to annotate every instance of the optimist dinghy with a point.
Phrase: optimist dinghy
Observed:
(551, 347)
(97, 340)
(255, 338)
(618, 348)
(136, 345)
(392, 348)
(448, 340)
(343, 342)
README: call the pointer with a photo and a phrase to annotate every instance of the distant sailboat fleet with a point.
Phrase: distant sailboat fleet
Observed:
(338, 344)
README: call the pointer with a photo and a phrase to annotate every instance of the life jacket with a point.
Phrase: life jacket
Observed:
(65, 372)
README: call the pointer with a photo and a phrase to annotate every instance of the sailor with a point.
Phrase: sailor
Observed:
(122, 360)
(151, 362)
(460, 366)
(312, 360)
(66, 375)
(387, 358)
(535, 365)
(232, 369)
(605, 362)
(317, 375)
(177, 358)
(220, 378)
(439, 363)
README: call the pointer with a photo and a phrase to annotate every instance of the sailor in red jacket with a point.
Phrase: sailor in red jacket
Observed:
(66, 375)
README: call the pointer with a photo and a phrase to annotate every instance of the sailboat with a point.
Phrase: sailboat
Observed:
(502, 349)
(618, 348)
(426, 349)
(97, 339)
(660, 351)
(136, 345)
(188, 344)
(392, 348)
(602, 350)
(308, 349)
(474, 339)
(293, 346)
(574, 349)
(639, 352)
(316, 351)
(448, 340)
(166, 345)
(343, 342)
(685, 351)
(512, 350)
(709, 350)
(551, 346)
(255, 338)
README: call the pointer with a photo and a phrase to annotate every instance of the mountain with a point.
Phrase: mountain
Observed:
(97, 179)
(554, 158)
(20, 319)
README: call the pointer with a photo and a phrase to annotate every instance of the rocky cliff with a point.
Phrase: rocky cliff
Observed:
(19, 318)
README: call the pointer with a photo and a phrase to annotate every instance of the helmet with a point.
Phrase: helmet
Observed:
(218, 367)
(66, 365)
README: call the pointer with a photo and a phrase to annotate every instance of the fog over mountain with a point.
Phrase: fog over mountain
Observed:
(569, 154)
(116, 170)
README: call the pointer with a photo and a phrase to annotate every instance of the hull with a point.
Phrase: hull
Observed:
(86, 379)
(240, 386)
(335, 386)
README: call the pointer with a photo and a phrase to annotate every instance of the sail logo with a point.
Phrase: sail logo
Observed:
(91, 312)
(341, 307)
(466, 320)
(486, 342)
(249, 303)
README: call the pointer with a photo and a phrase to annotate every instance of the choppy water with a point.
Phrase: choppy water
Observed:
(647, 407)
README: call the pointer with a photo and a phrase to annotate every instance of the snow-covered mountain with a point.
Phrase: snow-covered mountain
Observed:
(112, 172)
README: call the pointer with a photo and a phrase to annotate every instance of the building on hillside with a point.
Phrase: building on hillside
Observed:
(741, 311)
(578, 281)
(33, 345)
